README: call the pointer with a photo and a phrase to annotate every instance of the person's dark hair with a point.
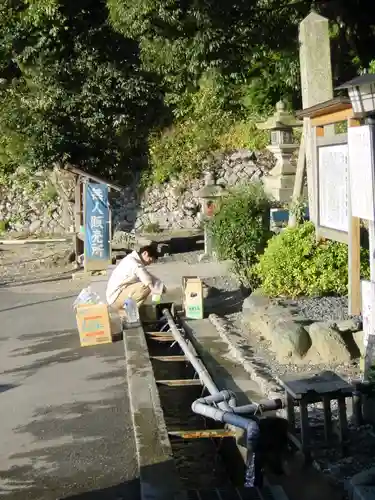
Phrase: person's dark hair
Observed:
(152, 251)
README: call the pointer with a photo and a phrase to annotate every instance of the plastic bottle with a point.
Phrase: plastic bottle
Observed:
(132, 313)
(157, 292)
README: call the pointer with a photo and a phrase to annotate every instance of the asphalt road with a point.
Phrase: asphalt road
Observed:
(65, 426)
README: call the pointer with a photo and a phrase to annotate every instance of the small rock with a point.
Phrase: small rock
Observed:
(348, 325)
(255, 300)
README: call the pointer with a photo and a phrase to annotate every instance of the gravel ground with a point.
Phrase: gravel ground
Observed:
(324, 308)
(25, 262)
(189, 257)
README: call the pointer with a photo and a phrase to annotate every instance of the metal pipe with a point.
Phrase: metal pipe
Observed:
(253, 476)
(197, 364)
(250, 409)
(226, 399)
(261, 407)
(227, 410)
(217, 398)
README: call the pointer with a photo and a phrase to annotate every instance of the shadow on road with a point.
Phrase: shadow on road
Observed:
(126, 491)
(186, 244)
(29, 304)
(6, 387)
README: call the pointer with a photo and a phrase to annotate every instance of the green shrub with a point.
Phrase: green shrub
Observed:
(240, 228)
(243, 134)
(49, 194)
(3, 226)
(293, 264)
(152, 228)
(203, 126)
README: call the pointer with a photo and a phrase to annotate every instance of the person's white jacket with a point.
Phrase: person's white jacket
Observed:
(130, 270)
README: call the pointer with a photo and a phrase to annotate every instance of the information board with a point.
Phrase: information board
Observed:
(361, 168)
(333, 187)
(97, 238)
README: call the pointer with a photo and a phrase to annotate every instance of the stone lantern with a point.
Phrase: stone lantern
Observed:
(279, 182)
(209, 196)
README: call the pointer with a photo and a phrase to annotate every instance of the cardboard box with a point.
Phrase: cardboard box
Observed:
(93, 324)
(192, 291)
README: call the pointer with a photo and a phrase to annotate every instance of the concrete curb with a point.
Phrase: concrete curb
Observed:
(159, 479)
(239, 350)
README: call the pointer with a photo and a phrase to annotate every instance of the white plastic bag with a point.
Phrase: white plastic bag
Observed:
(87, 296)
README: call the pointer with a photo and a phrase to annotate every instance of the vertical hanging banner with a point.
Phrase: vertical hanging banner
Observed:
(97, 223)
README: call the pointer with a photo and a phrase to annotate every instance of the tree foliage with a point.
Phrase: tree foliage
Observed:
(87, 81)
(181, 40)
(254, 43)
(75, 91)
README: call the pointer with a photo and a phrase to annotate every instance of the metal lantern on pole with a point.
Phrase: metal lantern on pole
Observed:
(361, 92)
(361, 145)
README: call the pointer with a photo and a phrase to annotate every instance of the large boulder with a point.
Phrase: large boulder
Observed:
(328, 342)
(289, 339)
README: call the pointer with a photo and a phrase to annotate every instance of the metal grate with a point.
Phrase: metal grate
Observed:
(231, 494)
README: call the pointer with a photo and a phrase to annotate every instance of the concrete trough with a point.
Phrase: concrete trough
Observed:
(159, 479)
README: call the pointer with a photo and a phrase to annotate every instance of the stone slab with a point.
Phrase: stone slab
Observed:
(323, 383)
(159, 479)
(214, 354)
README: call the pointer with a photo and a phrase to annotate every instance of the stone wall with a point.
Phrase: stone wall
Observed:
(176, 205)
(45, 203)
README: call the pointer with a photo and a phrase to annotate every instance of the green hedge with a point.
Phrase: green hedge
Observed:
(293, 264)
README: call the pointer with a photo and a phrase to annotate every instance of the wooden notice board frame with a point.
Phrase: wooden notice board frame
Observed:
(323, 118)
(82, 177)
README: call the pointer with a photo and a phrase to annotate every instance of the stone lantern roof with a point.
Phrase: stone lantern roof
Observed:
(281, 119)
(210, 189)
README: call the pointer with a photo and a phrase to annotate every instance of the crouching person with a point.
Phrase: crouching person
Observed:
(130, 278)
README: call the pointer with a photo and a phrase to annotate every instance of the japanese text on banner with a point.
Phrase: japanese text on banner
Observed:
(97, 222)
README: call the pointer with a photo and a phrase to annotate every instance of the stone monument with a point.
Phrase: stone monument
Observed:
(316, 83)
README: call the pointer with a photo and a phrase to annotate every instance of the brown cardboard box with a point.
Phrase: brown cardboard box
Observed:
(93, 324)
(192, 289)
